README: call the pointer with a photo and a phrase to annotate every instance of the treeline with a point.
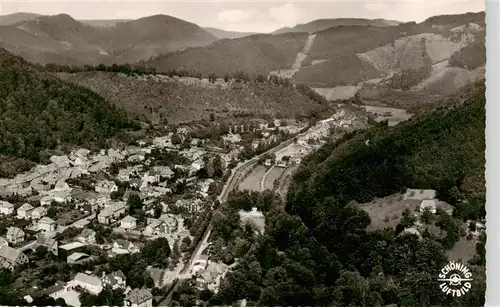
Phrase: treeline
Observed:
(43, 112)
(142, 69)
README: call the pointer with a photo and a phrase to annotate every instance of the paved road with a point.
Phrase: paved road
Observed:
(236, 175)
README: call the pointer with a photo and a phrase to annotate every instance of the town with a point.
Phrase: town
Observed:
(75, 215)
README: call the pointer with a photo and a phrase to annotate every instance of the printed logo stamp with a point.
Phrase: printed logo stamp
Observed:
(455, 278)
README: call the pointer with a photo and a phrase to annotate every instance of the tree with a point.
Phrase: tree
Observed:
(115, 195)
(176, 139)
(134, 203)
(426, 216)
(156, 252)
(40, 252)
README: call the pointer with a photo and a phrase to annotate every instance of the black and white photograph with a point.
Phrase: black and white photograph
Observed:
(247, 153)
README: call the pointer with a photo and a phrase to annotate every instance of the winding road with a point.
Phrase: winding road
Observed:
(237, 174)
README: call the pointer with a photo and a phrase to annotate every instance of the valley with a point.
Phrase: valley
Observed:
(157, 162)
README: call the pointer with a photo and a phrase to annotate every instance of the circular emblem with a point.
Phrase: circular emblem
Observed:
(455, 278)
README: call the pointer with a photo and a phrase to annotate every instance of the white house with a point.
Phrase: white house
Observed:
(139, 298)
(88, 283)
(15, 235)
(38, 212)
(6, 208)
(106, 187)
(24, 212)
(128, 222)
(47, 224)
(123, 247)
(428, 203)
(57, 290)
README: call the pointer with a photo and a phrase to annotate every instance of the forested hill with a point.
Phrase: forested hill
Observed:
(39, 111)
(443, 151)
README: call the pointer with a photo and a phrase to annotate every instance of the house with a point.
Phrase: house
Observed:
(128, 222)
(123, 247)
(139, 298)
(209, 277)
(108, 214)
(268, 162)
(428, 203)
(11, 257)
(78, 258)
(67, 249)
(49, 243)
(38, 213)
(24, 212)
(171, 221)
(3, 242)
(87, 236)
(155, 227)
(47, 224)
(15, 235)
(57, 290)
(89, 283)
(106, 187)
(114, 280)
(200, 264)
(6, 208)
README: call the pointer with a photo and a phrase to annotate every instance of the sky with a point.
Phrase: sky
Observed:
(247, 16)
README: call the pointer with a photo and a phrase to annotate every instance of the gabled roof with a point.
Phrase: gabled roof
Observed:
(76, 256)
(5, 204)
(46, 220)
(25, 207)
(129, 219)
(15, 232)
(47, 241)
(138, 296)
(9, 253)
(84, 278)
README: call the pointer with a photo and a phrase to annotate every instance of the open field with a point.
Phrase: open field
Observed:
(252, 182)
(393, 115)
(463, 249)
(391, 207)
(273, 175)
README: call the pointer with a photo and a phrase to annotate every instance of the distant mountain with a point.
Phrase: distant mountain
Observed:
(102, 23)
(6, 20)
(64, 40)
(221, 34)
(255, 54)
(149, 36)
(323, 24)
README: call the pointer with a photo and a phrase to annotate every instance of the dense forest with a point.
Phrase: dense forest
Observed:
(40, 111)
(319, 253)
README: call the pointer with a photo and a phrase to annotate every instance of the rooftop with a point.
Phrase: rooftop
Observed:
(138, 296)
(72, 245)
(88, 279)
(9, 253)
